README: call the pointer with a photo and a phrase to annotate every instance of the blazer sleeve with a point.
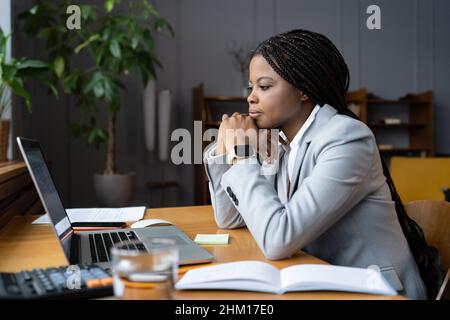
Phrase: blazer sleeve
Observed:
(225, 213)
(336, 184)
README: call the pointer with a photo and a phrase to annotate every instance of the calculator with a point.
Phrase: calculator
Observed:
(65, 282)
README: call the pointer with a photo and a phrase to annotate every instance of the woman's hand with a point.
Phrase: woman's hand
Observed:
(230, 136)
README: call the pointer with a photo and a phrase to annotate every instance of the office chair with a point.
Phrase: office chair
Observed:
(434, 219)
(444, 292)
(420, 178)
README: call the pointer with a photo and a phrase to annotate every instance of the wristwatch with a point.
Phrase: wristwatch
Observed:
(241, 152)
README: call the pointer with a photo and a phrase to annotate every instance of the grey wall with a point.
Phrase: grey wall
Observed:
(409, 54)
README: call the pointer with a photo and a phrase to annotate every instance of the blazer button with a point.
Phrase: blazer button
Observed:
(229, 191)
(236, 201)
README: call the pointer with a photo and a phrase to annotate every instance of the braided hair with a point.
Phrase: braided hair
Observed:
(312, 63)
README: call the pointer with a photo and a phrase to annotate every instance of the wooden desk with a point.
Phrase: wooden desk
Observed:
(26, 246)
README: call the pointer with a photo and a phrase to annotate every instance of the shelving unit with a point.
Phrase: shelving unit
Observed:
(17, 193)
(414, 133)
(413, 136)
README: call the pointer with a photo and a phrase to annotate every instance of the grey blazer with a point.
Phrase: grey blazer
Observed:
(340, 209)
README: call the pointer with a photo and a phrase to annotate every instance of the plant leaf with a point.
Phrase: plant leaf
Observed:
(114, 48)
(88, 12)
(37, 64)
(109, 5)
(135, 41)
(96, 78)
(161, 24)
(99, 90)
(83, 45)
(148, 38)
(58, 66)
(18, 89)
(34, 9)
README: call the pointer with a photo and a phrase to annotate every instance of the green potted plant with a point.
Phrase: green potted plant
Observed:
(13, 75)
(117, 43)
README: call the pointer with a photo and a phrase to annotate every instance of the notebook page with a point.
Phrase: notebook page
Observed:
(234, 275)
(336, 278)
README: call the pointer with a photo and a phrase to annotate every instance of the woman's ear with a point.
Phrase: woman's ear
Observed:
(303, 97)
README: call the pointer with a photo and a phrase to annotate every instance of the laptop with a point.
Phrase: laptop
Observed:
(94, 246)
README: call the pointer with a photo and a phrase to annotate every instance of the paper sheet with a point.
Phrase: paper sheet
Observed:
(100, 215)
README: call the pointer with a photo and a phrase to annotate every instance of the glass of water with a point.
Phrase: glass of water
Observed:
(145, 270)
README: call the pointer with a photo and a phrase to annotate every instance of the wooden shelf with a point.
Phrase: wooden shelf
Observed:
(399, 125)
(212, 123)
(405, 150)
(394, 102)
(17, 193)
(417, 112)
(409, 99)
(226, 98)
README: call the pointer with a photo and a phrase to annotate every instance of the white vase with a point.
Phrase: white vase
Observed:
(164, 114)
(149, 108)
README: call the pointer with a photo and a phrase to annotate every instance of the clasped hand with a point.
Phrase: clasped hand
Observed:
(239, 129)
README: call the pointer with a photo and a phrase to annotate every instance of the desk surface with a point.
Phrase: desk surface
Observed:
(27, 246)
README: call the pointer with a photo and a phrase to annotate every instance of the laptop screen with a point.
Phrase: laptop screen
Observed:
(46, 189)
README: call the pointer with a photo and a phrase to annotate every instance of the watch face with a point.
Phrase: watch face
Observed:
(244, 150)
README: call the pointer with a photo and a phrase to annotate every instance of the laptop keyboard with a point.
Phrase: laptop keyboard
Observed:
(101, 244)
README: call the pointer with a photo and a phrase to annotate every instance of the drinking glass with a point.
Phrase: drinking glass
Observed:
(145, 270)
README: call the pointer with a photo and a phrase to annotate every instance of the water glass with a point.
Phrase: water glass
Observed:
(145, 270)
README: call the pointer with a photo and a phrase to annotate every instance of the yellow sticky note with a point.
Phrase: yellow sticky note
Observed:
(211, 238)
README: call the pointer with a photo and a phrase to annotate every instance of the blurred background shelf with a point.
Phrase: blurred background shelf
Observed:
(17, 193)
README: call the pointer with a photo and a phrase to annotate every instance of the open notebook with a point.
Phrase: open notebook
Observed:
(261, 276)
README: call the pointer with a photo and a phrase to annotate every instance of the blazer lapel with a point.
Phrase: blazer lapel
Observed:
(324, 115)
(298, 163)
(271, 173)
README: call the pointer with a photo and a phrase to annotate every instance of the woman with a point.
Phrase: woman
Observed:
(332, 196)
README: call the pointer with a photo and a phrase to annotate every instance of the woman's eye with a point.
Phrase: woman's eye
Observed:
(249, 88)
(264, 88)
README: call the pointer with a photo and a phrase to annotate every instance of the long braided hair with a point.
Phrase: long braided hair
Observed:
(312, 63)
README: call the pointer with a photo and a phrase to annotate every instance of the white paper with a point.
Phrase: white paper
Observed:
(100, 215)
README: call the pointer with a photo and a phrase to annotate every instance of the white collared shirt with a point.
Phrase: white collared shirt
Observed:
(296, 142)
(291, 150)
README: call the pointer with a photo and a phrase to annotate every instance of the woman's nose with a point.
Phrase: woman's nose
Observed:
(251, 99)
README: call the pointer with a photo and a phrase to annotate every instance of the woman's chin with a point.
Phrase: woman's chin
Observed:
(262, 124)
